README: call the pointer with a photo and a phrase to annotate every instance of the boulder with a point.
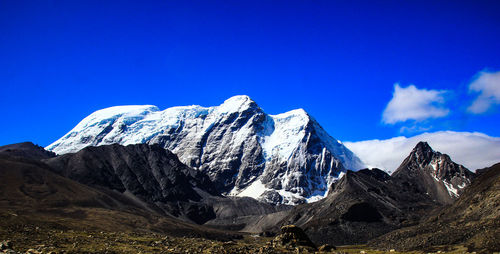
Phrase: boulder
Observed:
(293, 236)
(326, 248)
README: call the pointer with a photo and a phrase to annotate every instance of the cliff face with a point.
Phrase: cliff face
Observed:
(146, 172)
(282, 159)
(472, 220)
(435, 174)
(368, 203)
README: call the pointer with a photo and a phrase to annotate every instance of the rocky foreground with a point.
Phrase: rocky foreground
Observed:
(42, 211)
(292, 239)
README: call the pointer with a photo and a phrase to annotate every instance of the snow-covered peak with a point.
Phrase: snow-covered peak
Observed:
(235, 143)
(283, 133)
(296, 113)
(129, 111)
(236, 104)
(91, 129)
(238, 98)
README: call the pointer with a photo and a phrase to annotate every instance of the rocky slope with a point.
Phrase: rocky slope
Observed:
(26, 150)
(138, 187)
(473, 220)
(147, 173)
(432, 173)
(368, 203)
(286, 158)
(156, 178)
(360, 206)
(34, 200)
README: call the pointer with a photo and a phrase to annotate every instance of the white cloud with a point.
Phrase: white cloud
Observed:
(487, 84)
(474, 150)
(411, 103)
(414, 129)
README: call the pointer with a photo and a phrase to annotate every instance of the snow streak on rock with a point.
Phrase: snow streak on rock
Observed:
(286, 158)
(434, 173)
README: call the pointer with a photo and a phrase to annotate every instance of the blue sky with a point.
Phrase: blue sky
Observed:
(342, 61)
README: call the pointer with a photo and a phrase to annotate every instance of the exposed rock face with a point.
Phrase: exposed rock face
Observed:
(286, 158)
(365, 204)
(148, 172)
(360, 206)
(26, 150)
(472, 220)
(33, 196)
(31, 184)
(155, 177)
(435, 174)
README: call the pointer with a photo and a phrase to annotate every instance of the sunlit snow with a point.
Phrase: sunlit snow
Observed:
(280, 137)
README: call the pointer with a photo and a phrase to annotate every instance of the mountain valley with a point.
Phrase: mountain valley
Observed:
(233, 179)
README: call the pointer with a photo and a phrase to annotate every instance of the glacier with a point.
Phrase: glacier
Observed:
(284, 159)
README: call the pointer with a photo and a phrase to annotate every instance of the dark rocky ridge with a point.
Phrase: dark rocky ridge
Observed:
(26, 150)
(429, 172)
(157, 178)
(32, 196)
(150, 181)
(369, 203)
(473, 220)
(148, 172)
(360, 206)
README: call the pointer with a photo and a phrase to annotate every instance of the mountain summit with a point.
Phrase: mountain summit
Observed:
(286, 158)
(369, 203)
(433, 173)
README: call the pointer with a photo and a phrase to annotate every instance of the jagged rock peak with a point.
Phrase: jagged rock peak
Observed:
(434, 173)
(424, 146)
(286, 158)
(472, 220)
(422, 152)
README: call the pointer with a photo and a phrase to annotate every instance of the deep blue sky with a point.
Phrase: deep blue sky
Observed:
(339, 60)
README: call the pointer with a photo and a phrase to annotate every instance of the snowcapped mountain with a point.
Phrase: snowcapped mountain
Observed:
(431, 172)
(287, 158)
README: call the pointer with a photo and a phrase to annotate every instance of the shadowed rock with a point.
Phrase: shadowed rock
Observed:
(473, 220)
(147, 172)
(293, 236)
(368, 203)
(432, 173)
(26, 150)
